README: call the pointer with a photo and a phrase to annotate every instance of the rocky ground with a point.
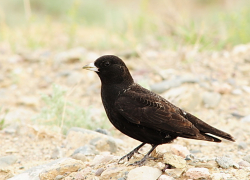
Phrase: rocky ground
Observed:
(214, 86)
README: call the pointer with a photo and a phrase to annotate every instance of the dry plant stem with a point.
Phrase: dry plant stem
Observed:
(64, 106)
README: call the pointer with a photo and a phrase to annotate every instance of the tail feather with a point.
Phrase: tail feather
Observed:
(206, 128)
(201, 136)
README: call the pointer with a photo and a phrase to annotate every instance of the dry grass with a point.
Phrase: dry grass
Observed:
(123, 25)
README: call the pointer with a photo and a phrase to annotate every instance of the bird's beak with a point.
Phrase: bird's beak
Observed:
(91, 67)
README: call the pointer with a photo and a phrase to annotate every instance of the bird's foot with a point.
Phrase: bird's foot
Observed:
(142, 161)
(128, 156)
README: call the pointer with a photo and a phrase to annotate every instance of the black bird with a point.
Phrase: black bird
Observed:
(142, 114)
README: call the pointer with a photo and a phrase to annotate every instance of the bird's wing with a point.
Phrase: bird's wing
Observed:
(152, 111)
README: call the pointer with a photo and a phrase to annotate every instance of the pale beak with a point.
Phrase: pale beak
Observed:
(91, 67)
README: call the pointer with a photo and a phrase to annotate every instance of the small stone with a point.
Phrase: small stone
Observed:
(51, 170)
(211, 99)
(80, 157)
(242, 145)
(219, 176)
(12, 129)
(78, 137)
(30, 101)
(102, 131)
(57, 153)
(191, 100)
(237, 92)
(180, 150)
(77, 175)
(144, 172)
(73, 78)
(68, 165)
(247, 158)
(195, 151)
(223, 88)
(176, 173)
(226, 162)
(240, 49)
(196, 173)
(244, 164)
(70, 56)
(87, 150)
(246, 89)
(59, 177)
(99, 171)
(101, 159)
(160, 165)
(122, 178)
(112, 172)
(209, 165)
(165, 85)
(165, 177)
(6, 161)
(174, 160)
(246, 119)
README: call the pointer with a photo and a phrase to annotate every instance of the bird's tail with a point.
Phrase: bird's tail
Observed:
(201, 136)
(205, 128)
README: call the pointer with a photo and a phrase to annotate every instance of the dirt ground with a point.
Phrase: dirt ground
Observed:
(26, 75)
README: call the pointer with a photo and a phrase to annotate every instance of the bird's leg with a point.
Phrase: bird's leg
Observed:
(144, 159)
(129, 155)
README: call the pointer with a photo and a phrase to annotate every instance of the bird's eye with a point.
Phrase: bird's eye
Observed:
(107, 63)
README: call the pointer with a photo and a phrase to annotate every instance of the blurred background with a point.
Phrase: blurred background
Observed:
(109, 24)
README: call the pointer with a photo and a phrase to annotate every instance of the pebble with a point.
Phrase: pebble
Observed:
(66, 166)
(80, 174)
(174, 160)
(242, 145)
(191, 100)
(196, 173)
(144, 172)
(211, 99)
(87, 150)
(237, 92)
(6, 161)
(247, 158)
(226, 162)
(103, 131)
(70, 56)
(176, 173)
(180, 150)
(30, 101)
(174, 82)
(77, 137)
(246, 89)
(99, 171)
(57, 153)
(165, 85)
(73, 78)
(165, 177)
(209, 165)
(244, 164)
(219, 176)
(59, 177)
(102, 159)
(113, 172)
(50, 170)
(80, 157)
(246, 119)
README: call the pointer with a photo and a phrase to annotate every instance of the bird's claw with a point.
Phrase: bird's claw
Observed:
(128, 156)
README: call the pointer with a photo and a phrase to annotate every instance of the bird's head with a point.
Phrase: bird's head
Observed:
(111, 70)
